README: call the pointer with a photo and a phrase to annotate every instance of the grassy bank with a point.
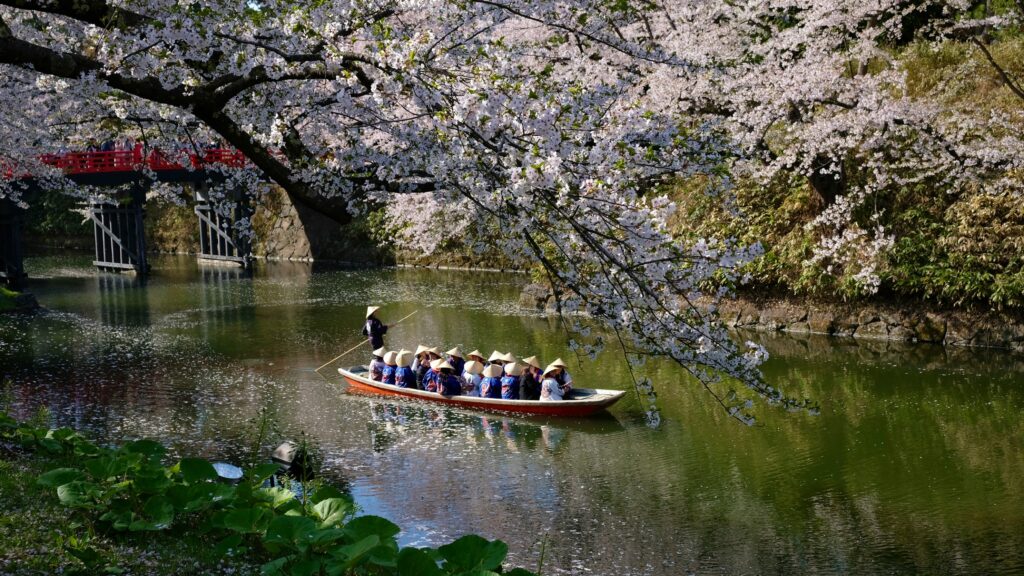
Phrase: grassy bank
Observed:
(70, 506)
(38, 535)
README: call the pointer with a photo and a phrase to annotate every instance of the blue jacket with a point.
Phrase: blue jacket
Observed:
(510, 387)
(490, 388)
(458, 364)
(388, 375)
(449, 385)
(430, 381)
(405, 377)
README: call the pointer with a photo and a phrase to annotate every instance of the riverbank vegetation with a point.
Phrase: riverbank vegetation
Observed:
(70, 506)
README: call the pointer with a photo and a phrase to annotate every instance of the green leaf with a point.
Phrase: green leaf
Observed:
(146, 448)
(276, 567)
(50, 445)
(104, 467)
(305, 567)
(326, 491)
(364, 526)
(416, 562)
(471, 552)
(262, 472)
(331, 511)
(195, 470)
(59, 477)
(159, 513)
(78, 494)
(152, 481)
(248, 520)
(232, 542)
(276, 496)
(326, 536)
(354, 553)
(289, 532)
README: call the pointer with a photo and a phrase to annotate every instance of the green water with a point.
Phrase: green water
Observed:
(915, 464)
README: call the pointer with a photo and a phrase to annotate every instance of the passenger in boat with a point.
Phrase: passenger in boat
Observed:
(496, 358)
(510, 382)
(430, 379)
(404, 376)
(508, 357)
(550, 390)
(374, 329)
(490, 384)
(477, 356)
(421, 365)
(388, 374)
(456, 360)
(448, 384)
(377, 364)
(529, 386)
(471, 378)
(564, 378)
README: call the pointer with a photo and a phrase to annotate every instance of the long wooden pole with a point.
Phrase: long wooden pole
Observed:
(339, 356)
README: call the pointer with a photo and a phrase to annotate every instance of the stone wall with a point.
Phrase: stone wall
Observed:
(987, 328)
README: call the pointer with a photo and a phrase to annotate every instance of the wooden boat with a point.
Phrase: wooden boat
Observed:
(581, 402)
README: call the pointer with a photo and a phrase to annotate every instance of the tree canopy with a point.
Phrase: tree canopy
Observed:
(543, 127)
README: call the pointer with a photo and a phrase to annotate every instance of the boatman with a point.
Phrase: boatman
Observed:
(374, 329)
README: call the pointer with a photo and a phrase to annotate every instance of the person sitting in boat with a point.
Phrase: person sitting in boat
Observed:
(477, 356)
(508, 357)
(377, 364)
(496, 358)
(404, 376)
(421, 364)
(388, 374)
(374, 329)
(550, 390)
(510, 382)
(564, 378)
(448, 384)
(490, 384)
(529, 386)
(430, 379)
(456, 360)
(471, 378)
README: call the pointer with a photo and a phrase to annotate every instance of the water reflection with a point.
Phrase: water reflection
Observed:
(915, 464)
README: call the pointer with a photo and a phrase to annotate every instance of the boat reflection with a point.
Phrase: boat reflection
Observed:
(389, 422)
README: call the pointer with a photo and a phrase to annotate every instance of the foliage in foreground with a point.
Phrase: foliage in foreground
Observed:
(128, 491)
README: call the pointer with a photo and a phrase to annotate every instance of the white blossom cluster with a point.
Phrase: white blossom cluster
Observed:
(541, 126)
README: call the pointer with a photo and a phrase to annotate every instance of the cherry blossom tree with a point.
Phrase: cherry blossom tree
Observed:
(541, 128)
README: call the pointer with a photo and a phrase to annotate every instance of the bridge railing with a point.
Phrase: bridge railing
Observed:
(106, 162)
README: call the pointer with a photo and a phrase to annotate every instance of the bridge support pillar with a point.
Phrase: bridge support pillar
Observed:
(119, 234)
(12, 269)
(219, 239)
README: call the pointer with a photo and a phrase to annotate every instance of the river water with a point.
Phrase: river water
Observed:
(914, 465)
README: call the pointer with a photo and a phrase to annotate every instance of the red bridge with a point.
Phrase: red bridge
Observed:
(134, 160)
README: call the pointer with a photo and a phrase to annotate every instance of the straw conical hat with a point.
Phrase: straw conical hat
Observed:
(434, 350)
(496, 356)
(421, 349)
(514, 369)
(532, 361)
(476, 353)
(371, 309)
(508, 357)
(404, 357)
(379, 352)
(473, 367)
(558, 362)
(492, 371)
(443, 364)
(455, 352)
(435, 363)
(389, 357)
(551, 368)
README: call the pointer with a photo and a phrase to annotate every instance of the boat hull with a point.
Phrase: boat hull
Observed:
(589, 402)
